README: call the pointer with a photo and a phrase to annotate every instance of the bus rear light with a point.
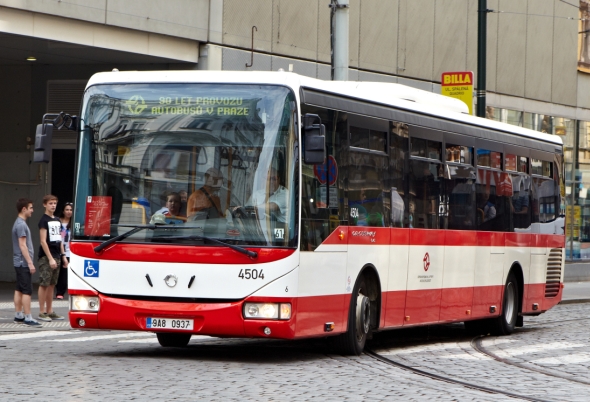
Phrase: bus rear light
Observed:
(84, 303)
(267, 311)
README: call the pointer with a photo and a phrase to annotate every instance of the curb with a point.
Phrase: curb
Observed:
(574, 301)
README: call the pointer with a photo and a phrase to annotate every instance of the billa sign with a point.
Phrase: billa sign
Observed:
(459, 85)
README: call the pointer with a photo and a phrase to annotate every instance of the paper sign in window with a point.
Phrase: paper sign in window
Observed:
(98, 216)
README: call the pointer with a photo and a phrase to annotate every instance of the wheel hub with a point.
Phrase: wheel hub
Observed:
(363, 315)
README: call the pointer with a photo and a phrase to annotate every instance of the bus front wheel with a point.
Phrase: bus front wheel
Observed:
(352, 342)
(169, 340)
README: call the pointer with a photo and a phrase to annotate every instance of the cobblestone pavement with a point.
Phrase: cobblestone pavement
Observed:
(64, 364)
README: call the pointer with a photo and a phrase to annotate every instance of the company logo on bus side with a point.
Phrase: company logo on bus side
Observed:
(365, 233)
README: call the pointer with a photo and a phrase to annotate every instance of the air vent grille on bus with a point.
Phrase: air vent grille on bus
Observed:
(553, 272)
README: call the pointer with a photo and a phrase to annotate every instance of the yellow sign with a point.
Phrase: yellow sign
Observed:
(573, 220)
(458, 85)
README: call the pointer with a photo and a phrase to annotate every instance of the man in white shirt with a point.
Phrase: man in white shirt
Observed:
(275, 201)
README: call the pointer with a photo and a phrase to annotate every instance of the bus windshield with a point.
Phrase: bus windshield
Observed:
(198, 161)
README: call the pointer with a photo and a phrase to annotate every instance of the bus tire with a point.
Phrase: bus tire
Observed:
(169, 340)
(352, 342)
(505, 323)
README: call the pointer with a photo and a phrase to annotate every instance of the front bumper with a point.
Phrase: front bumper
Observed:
(215, 319)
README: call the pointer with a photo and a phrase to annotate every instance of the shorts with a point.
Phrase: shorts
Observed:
(24, 282)
(47, 275)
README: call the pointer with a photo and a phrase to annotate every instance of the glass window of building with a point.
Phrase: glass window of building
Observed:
(459, 154)
(489, 159)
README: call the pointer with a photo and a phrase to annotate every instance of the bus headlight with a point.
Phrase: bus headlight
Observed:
(267, 311)
(84, 303)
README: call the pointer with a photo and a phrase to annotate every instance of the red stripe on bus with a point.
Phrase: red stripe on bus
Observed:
(361, 235)
(181, 254)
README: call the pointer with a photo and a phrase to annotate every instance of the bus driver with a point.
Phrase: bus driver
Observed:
(275, 199)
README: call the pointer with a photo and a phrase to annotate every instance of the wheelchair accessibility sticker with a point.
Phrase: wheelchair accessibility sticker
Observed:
(91, 268)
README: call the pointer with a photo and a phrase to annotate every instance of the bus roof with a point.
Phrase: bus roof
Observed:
(395, 95)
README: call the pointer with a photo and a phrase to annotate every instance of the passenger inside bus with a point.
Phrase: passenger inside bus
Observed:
(485, 207)
(205, 201)
(172, 209)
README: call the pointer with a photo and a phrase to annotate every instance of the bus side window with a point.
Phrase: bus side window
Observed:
(460, 192)
(322, 209)
(424, 200)
(366, 191)
(520, 202)
(369, 192)
(398, 186)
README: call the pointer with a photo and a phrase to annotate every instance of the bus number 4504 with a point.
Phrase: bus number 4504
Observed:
(251, 274)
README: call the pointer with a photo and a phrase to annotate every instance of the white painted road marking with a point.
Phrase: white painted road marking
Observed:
(101, 337)
(35, 304)
(155, 340)
(42, 334)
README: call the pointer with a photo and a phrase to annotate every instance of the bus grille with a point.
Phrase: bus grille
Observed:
(553, 272)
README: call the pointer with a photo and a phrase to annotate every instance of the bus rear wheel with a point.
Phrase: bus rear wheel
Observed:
(352, 342)
(169, 340)
(505, 323)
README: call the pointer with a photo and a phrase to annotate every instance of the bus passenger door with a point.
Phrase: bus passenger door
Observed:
(460, 242)
(493, 221)
(427, 218)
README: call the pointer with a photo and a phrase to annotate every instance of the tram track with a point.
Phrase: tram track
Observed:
(477, 344)
(439, 377)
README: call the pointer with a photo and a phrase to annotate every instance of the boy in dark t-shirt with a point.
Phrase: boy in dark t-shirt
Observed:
(51, 257)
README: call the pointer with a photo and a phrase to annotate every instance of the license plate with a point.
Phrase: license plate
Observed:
(169, 323)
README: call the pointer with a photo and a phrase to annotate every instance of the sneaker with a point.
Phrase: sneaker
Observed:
(54, 316)
(59, 297)
(19, 320)
(32, 323)
(44, 317)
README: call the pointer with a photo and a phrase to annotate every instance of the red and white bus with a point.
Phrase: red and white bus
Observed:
(272, 205)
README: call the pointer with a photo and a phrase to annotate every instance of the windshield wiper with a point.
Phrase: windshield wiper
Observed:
(136, 228)
(251, 254)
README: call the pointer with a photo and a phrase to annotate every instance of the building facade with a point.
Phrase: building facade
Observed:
(51, 47)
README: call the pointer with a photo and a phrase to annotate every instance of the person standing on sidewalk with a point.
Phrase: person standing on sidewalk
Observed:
(51, 258)
(65, 218)
(22, 256)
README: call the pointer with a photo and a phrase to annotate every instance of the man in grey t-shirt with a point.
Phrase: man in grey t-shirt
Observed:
(22, 256)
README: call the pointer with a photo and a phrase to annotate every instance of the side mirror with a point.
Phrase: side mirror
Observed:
(314, 145)
(43, 137)
(45, 132)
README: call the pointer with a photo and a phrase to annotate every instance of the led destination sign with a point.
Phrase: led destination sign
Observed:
(189, 105)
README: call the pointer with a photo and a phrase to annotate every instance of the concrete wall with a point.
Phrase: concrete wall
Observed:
(141, 39)
(532, 45)
(179, 18)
